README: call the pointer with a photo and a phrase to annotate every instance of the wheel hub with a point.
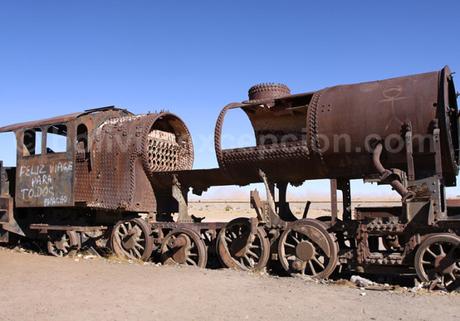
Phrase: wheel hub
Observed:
(129, 241)
(239, 246)
(438, 260)
(305, 251)
(444, 264)
(179, 241)
(62, 244)
(181, 245)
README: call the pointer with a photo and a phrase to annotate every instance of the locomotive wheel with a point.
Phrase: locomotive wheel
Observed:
(240, 249)
(307, 248)
(184, 246)
(63, 243)
(438, 259)
(131, 239)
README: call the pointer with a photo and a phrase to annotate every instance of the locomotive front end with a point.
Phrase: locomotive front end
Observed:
(128, 151)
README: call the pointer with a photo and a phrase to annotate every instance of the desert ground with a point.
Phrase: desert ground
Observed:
(86, 287)
(39, 287)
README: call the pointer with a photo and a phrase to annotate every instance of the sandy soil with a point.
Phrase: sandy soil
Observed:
(38, 287)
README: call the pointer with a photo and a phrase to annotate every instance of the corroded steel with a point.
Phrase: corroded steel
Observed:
(123, 180)
(331, 133)
(123, 160)
(106, 165)
(331, 129)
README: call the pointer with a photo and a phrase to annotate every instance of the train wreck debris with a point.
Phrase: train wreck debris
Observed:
(123, 180)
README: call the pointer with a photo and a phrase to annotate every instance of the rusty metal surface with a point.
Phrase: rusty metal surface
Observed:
(124, 180)
(124, 160)
(43, 228)
(40, 123)
(45, 178)
(382, 109)
(86, 127)
(108, 165)
(45, 182)
(54, 120)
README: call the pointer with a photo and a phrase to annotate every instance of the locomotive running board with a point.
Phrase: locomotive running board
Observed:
(44, 228)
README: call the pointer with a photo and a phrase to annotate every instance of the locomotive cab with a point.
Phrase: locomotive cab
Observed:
(51, 153)
(45, 166)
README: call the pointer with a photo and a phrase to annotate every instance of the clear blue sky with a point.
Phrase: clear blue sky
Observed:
(193, 57)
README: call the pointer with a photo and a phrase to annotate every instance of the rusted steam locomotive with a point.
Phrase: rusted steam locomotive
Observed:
(125, 179)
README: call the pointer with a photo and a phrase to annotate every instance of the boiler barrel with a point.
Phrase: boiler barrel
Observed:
(331, 133)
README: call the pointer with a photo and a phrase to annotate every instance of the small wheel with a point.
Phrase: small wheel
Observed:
(63, 243)
(184, 246)
(307, 248)
(132, 239)
(240, 249)
(438, 259)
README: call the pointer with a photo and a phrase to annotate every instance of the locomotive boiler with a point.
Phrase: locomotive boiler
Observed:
(124, 179)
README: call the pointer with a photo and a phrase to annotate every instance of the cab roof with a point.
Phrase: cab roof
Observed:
(56, 120)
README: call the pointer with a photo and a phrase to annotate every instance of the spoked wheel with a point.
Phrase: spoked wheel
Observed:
(307, 248)
(438, 259)
(184, 246)
(132, 239)
(241, 248)
(63, 243)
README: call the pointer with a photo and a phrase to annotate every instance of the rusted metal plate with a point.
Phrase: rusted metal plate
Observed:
(55, 120)
(127, 151)
(39, 123)
(110, 158)
(45, 181)
(335, 129)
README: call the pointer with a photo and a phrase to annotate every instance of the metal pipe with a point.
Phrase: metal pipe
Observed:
(395, 183)
(376, 159)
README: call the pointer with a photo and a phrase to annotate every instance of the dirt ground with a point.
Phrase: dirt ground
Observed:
(39, 287)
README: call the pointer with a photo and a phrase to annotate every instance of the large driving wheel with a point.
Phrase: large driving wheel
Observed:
(307, 248)
(438, 259)
(184, 246)
(62, 243)
(132, 239)
(243, 247)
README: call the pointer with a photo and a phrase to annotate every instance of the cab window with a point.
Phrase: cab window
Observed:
(32, 142)
(56, 139)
